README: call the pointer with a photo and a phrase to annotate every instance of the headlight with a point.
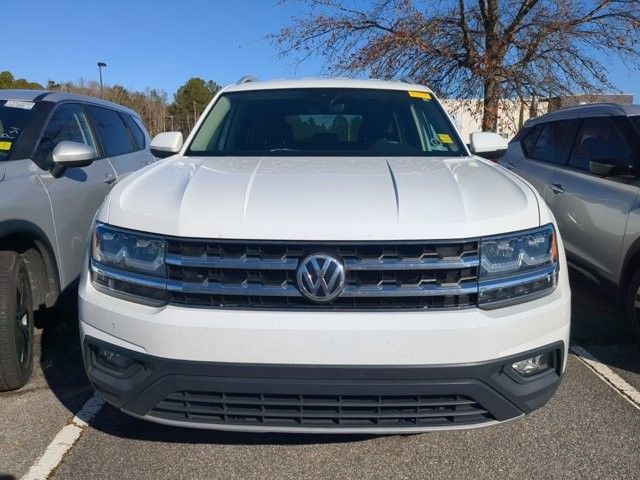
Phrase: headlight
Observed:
(128, 263)
(518, 267)
(128, 250)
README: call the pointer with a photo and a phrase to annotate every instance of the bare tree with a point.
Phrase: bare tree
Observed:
(495, 49)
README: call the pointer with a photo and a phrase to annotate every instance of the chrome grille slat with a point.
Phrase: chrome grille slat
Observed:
(292, 291)
(232, 263)
(349, 263)
(395, 275)
(404, 264)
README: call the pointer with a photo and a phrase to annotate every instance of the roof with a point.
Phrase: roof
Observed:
(590, 110)
(44, 95)
(326, 83)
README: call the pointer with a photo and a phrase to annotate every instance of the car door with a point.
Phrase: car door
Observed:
(542, 149)
(76, 194)
(119, 143)
(592, 211)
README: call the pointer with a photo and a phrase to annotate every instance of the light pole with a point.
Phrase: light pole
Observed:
(100, 65)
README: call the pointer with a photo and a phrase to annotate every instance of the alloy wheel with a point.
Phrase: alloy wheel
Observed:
(22, 319)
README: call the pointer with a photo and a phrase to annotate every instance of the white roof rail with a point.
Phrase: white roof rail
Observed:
(247, 79)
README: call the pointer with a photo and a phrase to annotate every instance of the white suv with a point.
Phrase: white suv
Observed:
(325, 256)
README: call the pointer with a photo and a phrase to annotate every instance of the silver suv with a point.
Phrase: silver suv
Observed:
(60, 155)
(585, 161)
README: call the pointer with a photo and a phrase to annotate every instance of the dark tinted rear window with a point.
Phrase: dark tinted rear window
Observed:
(136, 132)
(114, 134)
(529, 141)
(598, 139)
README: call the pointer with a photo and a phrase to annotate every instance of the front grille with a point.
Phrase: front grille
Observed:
(383, 276)
(321, 411)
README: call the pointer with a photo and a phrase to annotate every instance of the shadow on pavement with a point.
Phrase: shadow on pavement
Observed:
(596, 318)
(596, 322)
(61, 357)
(599, 325)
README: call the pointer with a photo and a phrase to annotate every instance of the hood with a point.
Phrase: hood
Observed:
(323, 198)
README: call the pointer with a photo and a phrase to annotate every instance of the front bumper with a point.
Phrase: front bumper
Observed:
(321, 399)
(318, 372)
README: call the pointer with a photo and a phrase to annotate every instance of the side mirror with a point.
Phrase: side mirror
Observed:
(487, 144)
(613, 167)
(601, 168)
(166, 144)
(71, 154)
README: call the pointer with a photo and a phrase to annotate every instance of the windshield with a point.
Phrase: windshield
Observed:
(326, 122)
(14, 117)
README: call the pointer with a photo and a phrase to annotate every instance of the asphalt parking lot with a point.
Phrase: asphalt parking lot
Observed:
(588, 430)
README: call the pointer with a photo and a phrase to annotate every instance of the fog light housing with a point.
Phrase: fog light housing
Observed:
(113, 360)
(533, 365)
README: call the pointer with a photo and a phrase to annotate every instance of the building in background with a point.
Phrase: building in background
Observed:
(467, 114)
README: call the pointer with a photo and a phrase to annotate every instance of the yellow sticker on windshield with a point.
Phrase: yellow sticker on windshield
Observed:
(418, 94)
(5, 145)
(445, 138)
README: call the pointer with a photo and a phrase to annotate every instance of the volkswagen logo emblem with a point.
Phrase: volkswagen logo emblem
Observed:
(320, 277)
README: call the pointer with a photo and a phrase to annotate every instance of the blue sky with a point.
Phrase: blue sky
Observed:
(161, 44)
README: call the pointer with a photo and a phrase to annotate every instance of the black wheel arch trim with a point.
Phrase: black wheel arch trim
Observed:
(631, 258)
(44, 246)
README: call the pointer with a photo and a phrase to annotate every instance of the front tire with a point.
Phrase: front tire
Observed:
(16, 322)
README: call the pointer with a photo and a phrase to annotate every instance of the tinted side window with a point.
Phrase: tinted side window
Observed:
(68, 123)
(115, 136)
(550, 142)
(136, 132)
(529, 141)
(598, 139)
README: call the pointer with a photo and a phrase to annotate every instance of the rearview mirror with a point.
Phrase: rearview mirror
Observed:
(487, 144)
(166, 144)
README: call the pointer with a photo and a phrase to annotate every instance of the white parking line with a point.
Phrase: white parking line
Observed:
(64, 440)
(615, 381)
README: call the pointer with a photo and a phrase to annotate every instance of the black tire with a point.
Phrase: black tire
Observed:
(16, 322)
(633, 310)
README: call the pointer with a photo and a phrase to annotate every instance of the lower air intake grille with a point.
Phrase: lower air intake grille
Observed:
(321, 411)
